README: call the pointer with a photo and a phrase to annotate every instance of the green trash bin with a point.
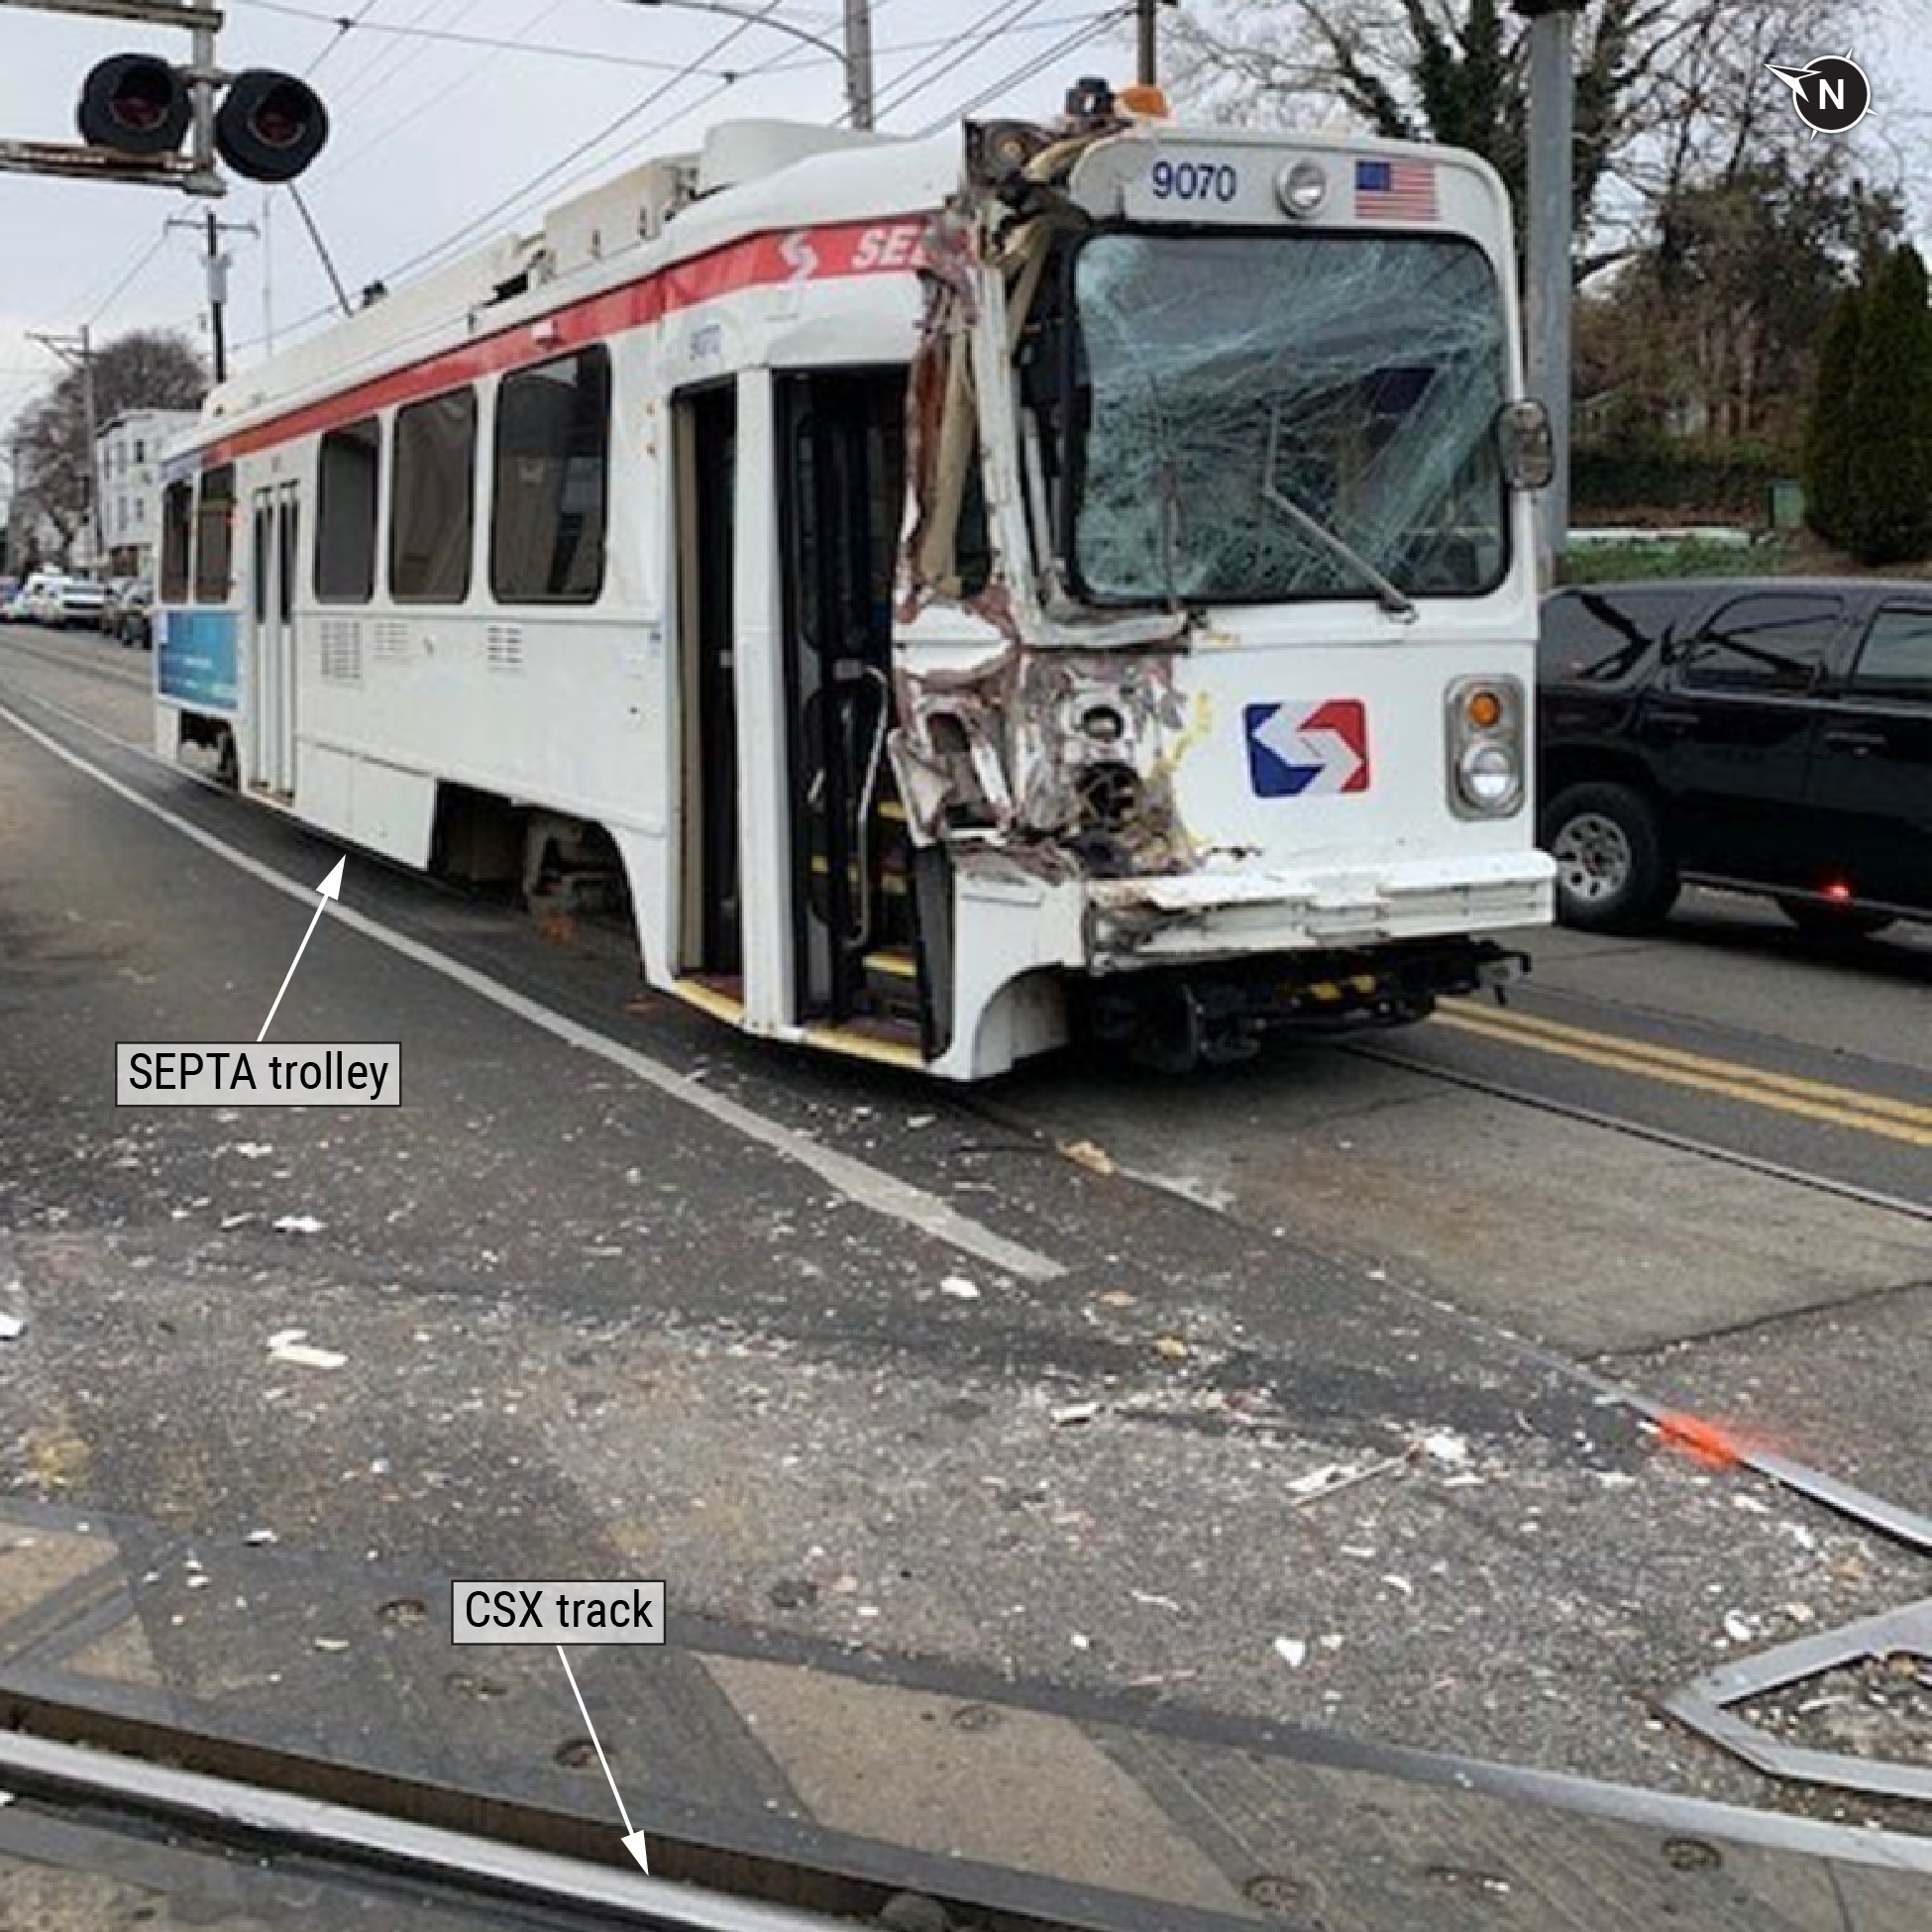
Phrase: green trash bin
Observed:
(1787, 505)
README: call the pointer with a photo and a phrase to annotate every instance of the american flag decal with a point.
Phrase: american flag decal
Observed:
(1396, 190)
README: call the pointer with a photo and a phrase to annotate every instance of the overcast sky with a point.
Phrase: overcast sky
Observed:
(433, 135)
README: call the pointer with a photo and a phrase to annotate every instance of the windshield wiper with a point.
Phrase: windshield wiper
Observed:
(1392, 598)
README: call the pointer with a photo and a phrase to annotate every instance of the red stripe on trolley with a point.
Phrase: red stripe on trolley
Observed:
(832, 253)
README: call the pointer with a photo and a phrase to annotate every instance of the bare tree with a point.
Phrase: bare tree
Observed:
(1671, 94)
(149, 369)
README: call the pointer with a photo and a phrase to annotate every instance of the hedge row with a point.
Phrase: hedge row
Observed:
(1612, 478)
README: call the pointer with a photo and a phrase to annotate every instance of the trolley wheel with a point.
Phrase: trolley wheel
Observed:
(1821, 919)
(1614, 871)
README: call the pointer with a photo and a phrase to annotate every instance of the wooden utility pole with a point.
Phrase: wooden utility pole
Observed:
(858, 63)
(215, 267)
(77, 352)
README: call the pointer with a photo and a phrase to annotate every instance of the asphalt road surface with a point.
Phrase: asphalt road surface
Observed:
(926, 1402)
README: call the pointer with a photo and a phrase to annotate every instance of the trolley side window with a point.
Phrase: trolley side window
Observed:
(177, 541)
(345, 530)
(552, 462)
(433, 493)
(214, 536)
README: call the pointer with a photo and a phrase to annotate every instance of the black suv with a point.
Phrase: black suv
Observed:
(1773, 735)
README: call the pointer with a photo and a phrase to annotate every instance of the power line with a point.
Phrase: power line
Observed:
(499, 208)
(128, 281)
(376, 60)
(447, 38)
(1087, 28)
(1020, 75)
(419, 110)
(342, 29)
(896, 92)
(582, 148)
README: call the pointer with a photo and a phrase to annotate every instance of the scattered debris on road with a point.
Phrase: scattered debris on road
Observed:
(1084, 1153)
(292, 1346)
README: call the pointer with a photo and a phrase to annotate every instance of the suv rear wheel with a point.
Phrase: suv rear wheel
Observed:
(1823, 920)
(1613, 872)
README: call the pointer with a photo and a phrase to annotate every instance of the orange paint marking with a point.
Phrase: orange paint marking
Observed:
(1708, 1443)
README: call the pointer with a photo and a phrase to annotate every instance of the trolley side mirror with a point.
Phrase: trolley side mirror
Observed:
(1527, 444)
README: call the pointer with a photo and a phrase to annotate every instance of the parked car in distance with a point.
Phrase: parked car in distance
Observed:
(1767, 735)
(40, 597)
(134, 617)
(78, 605)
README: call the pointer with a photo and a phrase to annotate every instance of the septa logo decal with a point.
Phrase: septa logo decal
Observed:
(797, 255)
(1307, 751)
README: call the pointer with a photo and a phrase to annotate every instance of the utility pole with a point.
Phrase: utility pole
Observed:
(215, 266)
(1147, 65)
(77, 352)
(858, 63)
(1553, 222)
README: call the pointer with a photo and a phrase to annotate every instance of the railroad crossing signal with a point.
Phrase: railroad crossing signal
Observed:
(136, 111)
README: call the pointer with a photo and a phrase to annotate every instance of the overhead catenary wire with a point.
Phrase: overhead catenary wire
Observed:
(128, 281)
(504, 208)
(380, 61)
(501, 209)
(342, 29)
(446, 37)
(1087, 27)
(418, 110)
(895, 93)
(1039, 65)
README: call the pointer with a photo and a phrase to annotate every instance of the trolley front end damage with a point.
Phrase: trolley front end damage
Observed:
(1176, 1019)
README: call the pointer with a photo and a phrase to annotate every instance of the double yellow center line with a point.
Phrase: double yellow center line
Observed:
(1786, 1093)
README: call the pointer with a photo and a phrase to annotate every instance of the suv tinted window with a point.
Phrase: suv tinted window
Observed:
(1602, 636)
(1772, 644)
(1897, 661)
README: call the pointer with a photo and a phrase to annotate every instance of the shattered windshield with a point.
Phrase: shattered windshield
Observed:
(1355, 377)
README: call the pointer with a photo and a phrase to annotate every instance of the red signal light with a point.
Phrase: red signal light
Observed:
(136, 105)
(270, 126)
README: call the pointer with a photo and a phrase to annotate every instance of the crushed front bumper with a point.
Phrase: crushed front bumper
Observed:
(1136, 924)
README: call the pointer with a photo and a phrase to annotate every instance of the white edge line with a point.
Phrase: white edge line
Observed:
(870, 1187)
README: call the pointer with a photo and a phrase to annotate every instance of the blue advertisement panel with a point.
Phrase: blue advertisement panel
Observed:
(197, 658)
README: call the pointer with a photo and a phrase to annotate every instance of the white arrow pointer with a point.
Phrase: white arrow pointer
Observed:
(634, 1842)
(1795, 78)
(1334, 759)
(330, 888)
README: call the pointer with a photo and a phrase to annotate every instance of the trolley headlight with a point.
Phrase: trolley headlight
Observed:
(1489, 776)
(1485, 718)
(1301, 187)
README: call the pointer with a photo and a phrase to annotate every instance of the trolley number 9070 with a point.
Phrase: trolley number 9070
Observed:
(1186, 180)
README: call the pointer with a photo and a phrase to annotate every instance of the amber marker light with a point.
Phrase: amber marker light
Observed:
(1484, 709)
(1145, 99)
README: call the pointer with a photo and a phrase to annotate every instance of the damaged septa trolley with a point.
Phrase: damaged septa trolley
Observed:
(951, 594)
